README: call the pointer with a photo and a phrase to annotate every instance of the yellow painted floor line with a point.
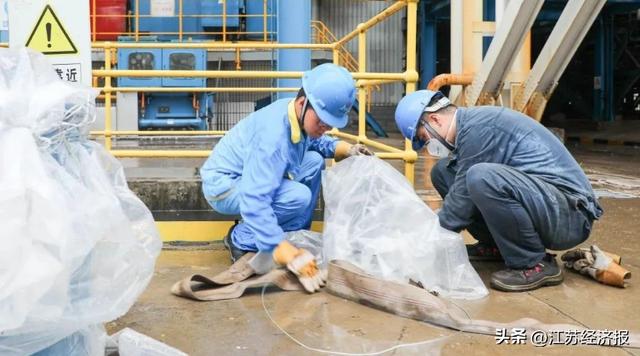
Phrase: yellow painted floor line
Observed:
(201, 231)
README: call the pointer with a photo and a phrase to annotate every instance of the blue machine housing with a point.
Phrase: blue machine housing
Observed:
(255, 21)
(214, 7)
(175, 110)
(168, 110)
(193, 22)
(184, 59)
(139, 59)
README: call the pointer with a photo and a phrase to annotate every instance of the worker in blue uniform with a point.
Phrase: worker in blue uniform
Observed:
(267, 168)
(506, 179)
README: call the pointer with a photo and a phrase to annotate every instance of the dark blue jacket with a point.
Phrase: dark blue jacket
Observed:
(500, 135)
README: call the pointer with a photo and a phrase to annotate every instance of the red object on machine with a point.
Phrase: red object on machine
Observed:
(110, 19)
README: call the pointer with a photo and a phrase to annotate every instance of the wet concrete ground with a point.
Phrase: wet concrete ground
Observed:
(326, 322)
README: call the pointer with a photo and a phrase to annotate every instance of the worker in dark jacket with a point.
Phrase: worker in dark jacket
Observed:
(506, 179)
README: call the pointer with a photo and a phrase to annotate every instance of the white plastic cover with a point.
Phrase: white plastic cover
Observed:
(77, 247)
(374, 219)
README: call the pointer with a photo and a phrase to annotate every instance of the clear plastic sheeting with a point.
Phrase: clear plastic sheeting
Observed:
(77, 247)
(374, 219)
(132, 343)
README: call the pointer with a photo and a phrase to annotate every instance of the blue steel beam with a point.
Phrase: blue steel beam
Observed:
(428, 51)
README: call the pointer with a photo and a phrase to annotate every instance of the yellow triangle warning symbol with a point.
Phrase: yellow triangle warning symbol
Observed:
(49, 36)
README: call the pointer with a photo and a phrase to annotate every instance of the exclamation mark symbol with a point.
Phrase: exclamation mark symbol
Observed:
(48, 26)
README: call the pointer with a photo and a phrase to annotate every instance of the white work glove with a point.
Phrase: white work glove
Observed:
(302, 263)
(359, 150)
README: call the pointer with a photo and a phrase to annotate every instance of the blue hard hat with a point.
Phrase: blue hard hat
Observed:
(411, 107)
(331, 92)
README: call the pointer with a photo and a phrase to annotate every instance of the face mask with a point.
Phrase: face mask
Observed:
(437, 149)
(436, 145)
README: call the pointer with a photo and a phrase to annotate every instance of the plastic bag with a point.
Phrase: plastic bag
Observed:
(374, 219)
(133, 343)
(77, 247)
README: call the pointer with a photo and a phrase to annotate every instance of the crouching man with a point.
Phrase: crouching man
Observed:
(267, 168)
(509, 181)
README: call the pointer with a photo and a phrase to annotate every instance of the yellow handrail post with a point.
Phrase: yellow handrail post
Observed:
(95, 20)
(107, 99)
(362, 92)
(412, 74)
(180, 20)
(137, 35)
(336, 55)
(264, 20)
(224, 20)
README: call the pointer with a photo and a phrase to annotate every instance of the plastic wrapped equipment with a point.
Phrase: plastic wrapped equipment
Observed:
(374, 219)
(77, 247)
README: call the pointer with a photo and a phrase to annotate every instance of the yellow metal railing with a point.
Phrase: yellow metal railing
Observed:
(363, 78)
(132, 21)
(322, 34)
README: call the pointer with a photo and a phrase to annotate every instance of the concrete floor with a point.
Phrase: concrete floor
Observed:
(323, 321)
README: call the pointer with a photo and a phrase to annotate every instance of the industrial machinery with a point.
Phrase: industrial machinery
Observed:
(168, 110)
(175, 21)
(203, 19)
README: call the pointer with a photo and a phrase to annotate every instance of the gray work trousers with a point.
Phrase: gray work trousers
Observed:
(519, 213)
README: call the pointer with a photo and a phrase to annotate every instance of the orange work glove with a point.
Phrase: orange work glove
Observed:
(302, 263)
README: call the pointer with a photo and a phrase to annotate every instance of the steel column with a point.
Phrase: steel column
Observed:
(294, 26)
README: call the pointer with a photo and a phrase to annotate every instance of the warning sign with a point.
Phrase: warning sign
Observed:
(49, 35)
(57, 28)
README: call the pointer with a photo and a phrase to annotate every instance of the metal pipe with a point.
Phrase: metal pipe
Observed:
(160, 133)
(362, 93)
(216, 45)
(107, 101)
(373, 82)
(365, 140)
(412, 12)
(137, 35)
(180, 20)
(93, 24)
(294, 26)
(161, 153)
(381, 146)
(224, 20)
(264, 20)
(409, 157)
(374, 20)
(445, 79)
(241, 74)
(199, 90)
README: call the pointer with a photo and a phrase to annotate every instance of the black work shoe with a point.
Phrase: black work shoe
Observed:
(545, 273)
(236, 253)
(484, 252)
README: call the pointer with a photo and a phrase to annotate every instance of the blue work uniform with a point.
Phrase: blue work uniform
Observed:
(268, 171)
(511, 182)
